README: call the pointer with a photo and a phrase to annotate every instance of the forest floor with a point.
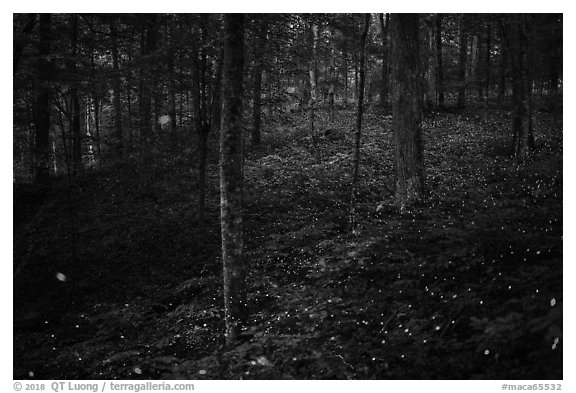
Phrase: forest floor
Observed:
(113, 281)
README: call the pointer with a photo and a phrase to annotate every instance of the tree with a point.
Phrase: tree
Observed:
(439, 69)
(20, 41)
(359, 113)
(75, 124)
(258, 69)
(385, 59)
(42, 105)
(406, 109)
(462, 54)
(116, 86)
(231, 181)
(521, 86)
(313, 71)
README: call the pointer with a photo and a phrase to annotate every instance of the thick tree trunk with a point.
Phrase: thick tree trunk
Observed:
(439, 72)
(258, 68)
(430, 73)
(462, 64)
(116, 88)
(406, 109)
(231, 182)
(42, 104)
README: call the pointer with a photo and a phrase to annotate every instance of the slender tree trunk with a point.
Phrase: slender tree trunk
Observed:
(345, 72)
(440, 72)
(76, 130)
(407, 109)
(146, 84)
(332, 77)
(355, 76)
(97, 127)
(487, 59)
(231, 182)
(313, 89)
(202, 136)
(116, 88)
(258, 68)
(129, 101)
(462, 64)
(385, 60)
(503, 61)
(19, 42)
(42, 105)
(359, 114)
(521, 122)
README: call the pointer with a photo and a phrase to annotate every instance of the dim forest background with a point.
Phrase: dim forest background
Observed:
(300, 196)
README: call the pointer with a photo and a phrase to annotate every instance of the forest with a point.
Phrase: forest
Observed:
(287, 196)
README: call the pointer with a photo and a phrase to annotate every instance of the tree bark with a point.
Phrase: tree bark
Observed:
(146, 86)
(42, 104)
(332, 77)
(439, 72)
(385, 60)
(200, 130)
(503, 62)
(20, 41)
(313, 89)
(406, 109)
(258, 68)
(521, 89)
(116, 88)
(231, 182)
(487, 59)
(462, 64)
(359, 114)
(75, 125)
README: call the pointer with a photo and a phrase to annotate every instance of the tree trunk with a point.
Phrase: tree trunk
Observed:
(42, 110)
(345, 71)
(487, 59)
(116, 88)
(19, 42)
(332, 77)
(439, 72)
(231, 181)
(75, 101)
(200, 130)
(313, 89)
(462, 64)
(359, 114)
(521, 123)
(147, 82)
(385, 60)
(406, 109)
(258, 68)
(503, 61)
(97, 127)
